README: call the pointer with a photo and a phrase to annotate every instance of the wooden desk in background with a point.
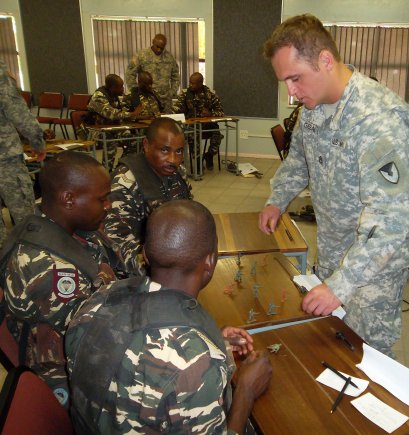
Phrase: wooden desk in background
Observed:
(273, 274)
(295, 402)
(195, 126)
(238, 233)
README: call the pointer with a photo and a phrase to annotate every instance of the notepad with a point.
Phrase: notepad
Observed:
(67, 146)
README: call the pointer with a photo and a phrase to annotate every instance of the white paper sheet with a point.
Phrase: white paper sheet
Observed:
(247, 168)
(387, 372)
(67, 146)
(379, 412)
(310, 281)
(26, 157)
(330, 379)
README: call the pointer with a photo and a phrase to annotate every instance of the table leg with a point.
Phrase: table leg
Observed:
(105, 150)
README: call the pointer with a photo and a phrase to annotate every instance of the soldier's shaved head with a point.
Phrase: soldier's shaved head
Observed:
(158, 44)
(113, 80)
(179, 235)
(161, 37)
(163, 122)
(67, 170)
(197, 76)
(195, 82)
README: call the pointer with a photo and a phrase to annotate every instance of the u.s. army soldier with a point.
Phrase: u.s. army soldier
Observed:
(168, 372)
(161, 65)
(351, 147)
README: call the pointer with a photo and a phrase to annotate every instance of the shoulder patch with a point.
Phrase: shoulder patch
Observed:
(390, 172)
(65, 284)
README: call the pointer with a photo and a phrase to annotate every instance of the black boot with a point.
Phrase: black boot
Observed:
(208, 158)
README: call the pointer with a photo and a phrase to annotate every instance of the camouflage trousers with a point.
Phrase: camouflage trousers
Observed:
(16, 191)
(374, 311)
(215, 138)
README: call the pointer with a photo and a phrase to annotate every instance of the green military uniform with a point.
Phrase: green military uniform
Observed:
(192, 105)
(134, 195)
(16, 188)
(164, 71)
(44, 288)
(106, 109)
(153, 377)
(355, 157)
(151, 104)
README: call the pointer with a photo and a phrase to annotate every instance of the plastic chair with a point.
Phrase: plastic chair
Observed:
(28, 97)
(28, 406)
(77, 117)
(277, 133)
(50, 100)
(75, 102)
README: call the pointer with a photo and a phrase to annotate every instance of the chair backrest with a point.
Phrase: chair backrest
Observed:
(28, 97)
(8, 344)
(51, 100)
(77, 117)
(78, 102)
(277, 133)
(28, 406)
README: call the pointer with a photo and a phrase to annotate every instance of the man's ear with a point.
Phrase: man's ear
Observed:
(145, 145)
(210, 263)
(326, 60)
(144, 256)
(67, 199)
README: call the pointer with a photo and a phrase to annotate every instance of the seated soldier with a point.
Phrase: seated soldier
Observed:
(143, 95)
(105, 107)
(198, 101)
(169, 372)
(53, 261)
(143, 182)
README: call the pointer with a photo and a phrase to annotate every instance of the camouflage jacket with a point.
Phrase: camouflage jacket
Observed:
(192, 103)
(357, 166)
(105, 109)
(44, 291)
(126, 220)
(163, 68)
(152, 106)
(15, 117)
(166, 380)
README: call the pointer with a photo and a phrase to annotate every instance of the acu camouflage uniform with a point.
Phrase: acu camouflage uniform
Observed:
(192, 105)
(16, 188)
(152, 106)
(43, 290)
(164, 70)
(126, 219)
(150, 378)
(356, 163)
(105, 109)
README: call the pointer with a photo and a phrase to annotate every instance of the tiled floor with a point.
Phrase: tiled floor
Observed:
(224, 192)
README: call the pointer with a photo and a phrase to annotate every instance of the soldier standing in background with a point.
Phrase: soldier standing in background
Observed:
(161, 65)
(16, 187)
(198, 101)
(351, 147)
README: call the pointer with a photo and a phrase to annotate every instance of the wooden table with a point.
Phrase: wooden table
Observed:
(295, 402)
(238, 233)
(273, 274)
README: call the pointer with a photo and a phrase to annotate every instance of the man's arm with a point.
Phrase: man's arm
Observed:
(289, 180)
(125, 220)
(174, 78)
(100, 104)
(132, 72)
(180, 105)
(216, 108)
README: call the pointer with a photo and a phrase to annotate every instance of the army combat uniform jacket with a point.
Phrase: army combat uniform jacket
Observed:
(163, 69)
(44, 288)
(356, 164)
(134, 195)
(153, 377)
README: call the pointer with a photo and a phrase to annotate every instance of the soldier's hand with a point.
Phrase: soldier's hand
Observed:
(137, 111)
(254, 375)
(39, 155)
(320, 301)
(268, 218)
(240, 340)
(205, 113)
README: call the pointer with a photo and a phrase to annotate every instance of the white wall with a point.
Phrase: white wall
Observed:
(12, 7)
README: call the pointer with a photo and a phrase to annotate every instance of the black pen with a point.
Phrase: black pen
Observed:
(340, 395)
(325, 364)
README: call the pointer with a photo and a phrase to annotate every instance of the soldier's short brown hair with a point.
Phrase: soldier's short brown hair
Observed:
(306, 34)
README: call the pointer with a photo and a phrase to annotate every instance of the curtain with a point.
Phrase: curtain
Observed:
(381, 52)
(8, 48)
(116, 41)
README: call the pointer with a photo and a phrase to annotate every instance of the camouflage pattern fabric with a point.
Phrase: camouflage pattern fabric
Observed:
(164, 70)
(356, 164)
(45, 291)
(192, 105)
(152, 107)
(16, 190)
(126, 220)
(105, 109)
(170, 380)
